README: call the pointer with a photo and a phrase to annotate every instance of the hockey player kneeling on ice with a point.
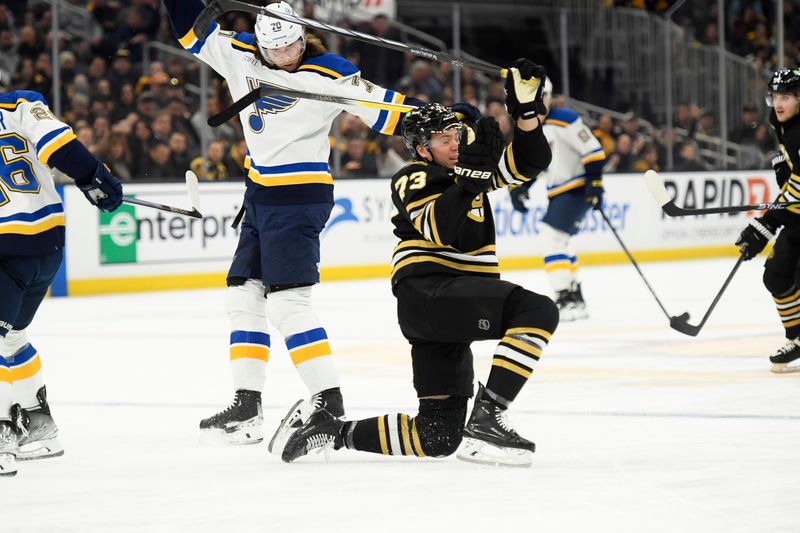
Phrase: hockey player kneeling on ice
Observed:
(574, 184)
(445, 277)
(782, 268)
(31, 248)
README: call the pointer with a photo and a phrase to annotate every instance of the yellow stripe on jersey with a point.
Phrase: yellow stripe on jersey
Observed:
(444, 262)
(394, 116)
(512, 165)
(28, 370)
(306, 353)
(502, 363)
(12, 106)
(426, 244)
(534, 331)
(599, 156)
(188, 40)
(323, 70)
(574, 184)
(5, 375)
(554, 122)
(418, 203)
(32, 229)
(249, 352)
(293, 179)
(55, 144)
(382, 435)
(434, 229)
(240, 44)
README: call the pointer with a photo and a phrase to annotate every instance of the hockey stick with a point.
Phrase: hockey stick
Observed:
(194, 197)
(681, 323)
(660, 193)
(264, 91)
(639, 270)
(215, 8)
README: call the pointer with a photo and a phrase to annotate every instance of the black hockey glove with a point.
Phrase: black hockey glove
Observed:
(755, 237)
(781, 167)
(519, 195)
(524, 86)
(103, 190)
(466, 113)
(594, 191)
(477, 161)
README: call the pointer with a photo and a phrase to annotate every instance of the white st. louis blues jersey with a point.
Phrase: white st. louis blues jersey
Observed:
(287, 138)
(31, 212)
(573, 146)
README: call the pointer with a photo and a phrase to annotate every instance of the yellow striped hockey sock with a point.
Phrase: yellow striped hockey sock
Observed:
(514, 360)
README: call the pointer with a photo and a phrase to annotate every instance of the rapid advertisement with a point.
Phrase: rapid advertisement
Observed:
(139, 248)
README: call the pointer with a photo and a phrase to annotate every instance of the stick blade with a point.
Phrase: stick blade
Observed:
(681, 323)
(193, 188)
(656, 186)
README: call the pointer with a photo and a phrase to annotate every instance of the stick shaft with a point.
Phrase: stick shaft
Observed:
(162, 207)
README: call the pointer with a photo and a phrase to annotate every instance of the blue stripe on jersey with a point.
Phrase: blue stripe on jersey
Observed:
(195, 49)
(23, 356)
(4, 363)
(384, 114)
(305, 338)
(49, 137)
(332, 62)
(36, 215)
(290, 167)
(564, 115)
(250, 337)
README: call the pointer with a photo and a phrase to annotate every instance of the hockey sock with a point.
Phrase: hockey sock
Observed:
(26, 377)
(533, 319)
(5, 389)
(249, 340)
(789, 310)
(560, 263)
(435, 431)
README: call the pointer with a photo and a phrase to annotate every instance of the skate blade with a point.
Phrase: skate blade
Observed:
(784, 368)
(290, 423)
(7, 466)
(40, 449)
(480, 452)
(247, 434)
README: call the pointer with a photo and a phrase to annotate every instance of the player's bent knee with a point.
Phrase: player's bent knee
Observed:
(440, 425)
(529, 309)
(778, 285)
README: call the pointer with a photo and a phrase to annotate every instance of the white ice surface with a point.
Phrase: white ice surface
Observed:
(638, 428)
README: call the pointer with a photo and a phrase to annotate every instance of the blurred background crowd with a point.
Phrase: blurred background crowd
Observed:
(138, 109)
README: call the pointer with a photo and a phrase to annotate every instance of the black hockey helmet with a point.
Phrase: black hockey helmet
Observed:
(422, 122)
(784, 81)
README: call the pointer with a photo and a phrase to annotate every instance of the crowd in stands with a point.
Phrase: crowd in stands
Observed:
(138, 109)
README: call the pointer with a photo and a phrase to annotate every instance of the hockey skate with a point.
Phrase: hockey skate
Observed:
(567, 307)
(38, 433)
(489, 437)
(239, 423)
(8, 448)
(787, 358)
(321, 432)
(294, 420)
(579, 304)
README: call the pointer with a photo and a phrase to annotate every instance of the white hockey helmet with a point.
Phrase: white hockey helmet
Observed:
(272, 33)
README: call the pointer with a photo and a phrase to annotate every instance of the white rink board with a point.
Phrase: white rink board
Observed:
(359, 233)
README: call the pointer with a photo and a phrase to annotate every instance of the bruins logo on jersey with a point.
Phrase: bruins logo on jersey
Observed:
(267, 105)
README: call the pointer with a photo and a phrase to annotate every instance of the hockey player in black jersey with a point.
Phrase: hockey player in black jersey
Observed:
(445, 277)
(782, 268)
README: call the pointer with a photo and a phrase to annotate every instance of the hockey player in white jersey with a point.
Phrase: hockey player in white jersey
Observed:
(287, 202)
(574, 184)
(31, 249)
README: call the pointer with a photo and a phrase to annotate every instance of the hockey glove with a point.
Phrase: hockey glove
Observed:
(467, 113)
(103, 190)
(755, 237)
(519, 195)
(477, 161)
(594, 191)
(524, 86)
(781, 167)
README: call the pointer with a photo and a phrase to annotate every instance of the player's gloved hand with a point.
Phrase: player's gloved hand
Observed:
(466, 113)
(103, 190)
(519, 195)
(781, 167)
(594, 192)
(524, 86)
(478, 160)
(755, 237)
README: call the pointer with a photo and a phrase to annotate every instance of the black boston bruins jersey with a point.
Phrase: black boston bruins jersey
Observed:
(789, 143)
(442, 227)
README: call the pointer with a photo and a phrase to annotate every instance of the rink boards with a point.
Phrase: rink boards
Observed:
(140, 249)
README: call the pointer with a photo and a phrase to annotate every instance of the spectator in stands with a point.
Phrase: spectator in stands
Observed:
(421, 81)
(706, 125)
(115, 153)
(162, 127)
(179, 159)
(29, 46)
(234, 159)
(9, 58)
(138, 142)
(622, 159)
(384, 66)
(746, 131)
(125, 103)
(688, 158)
(122, 69)
(157, 166)
(605, 133)
(214, 169)
(648, 159)
(225, 132)
(393, 155)
(357, 162)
